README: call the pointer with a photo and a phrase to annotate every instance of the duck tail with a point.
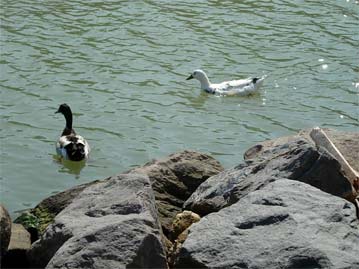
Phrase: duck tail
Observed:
(75, 152)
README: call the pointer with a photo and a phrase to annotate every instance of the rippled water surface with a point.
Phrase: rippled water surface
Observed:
(121, 65)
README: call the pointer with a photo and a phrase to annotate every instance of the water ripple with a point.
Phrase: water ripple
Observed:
(122, 67)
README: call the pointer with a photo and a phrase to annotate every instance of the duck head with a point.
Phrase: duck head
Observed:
(65, 110)
(201, 76)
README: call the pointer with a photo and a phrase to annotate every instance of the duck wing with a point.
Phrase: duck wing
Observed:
(240, 87)
(233, 84)
(240, 83)
(73, 147)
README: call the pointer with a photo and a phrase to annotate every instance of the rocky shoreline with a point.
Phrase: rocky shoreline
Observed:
(285, 206)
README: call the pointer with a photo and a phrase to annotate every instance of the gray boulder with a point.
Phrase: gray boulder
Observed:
(297, 159)
(346, 142)
(37, 219)
(287, 224)
(112, 224)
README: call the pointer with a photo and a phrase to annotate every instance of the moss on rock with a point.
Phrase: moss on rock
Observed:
(36, 221)
(45, 218)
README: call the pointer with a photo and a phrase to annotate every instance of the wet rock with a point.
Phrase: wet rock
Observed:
(286, 224)
(298, 159)
(5, 230)
(20, 243)
(112, 224)
(174, 179)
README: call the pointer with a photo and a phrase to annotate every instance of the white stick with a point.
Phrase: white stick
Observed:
(322, 140)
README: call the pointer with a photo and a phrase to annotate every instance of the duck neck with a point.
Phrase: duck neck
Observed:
(68, 118)
(204, 82)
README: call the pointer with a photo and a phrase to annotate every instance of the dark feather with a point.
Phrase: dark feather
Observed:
(75, 151)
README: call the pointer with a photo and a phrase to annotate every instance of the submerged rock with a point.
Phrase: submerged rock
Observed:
(287, 224)
(112, 224)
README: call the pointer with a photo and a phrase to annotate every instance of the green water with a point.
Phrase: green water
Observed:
(122, 65)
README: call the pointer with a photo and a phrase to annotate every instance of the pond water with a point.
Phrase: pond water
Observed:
(122, 65)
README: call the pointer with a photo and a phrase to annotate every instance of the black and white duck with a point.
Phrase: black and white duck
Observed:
(70, 145)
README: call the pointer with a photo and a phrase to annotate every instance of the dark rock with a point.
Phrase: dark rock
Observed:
(5, 230)
(174, 179)
(298, 160)
(20, 243)
(112, 224)
(287, 224)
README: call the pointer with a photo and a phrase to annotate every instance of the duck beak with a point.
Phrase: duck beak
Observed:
(57, 112)
(190, 77)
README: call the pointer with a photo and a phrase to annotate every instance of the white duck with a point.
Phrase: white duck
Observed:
(240, 87)
(71, 146)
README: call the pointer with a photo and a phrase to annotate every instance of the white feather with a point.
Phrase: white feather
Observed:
(240, 87)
